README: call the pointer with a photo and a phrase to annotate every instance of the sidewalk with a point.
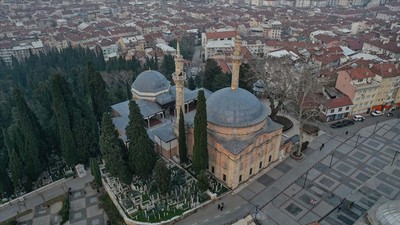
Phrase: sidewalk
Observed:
(37, 198)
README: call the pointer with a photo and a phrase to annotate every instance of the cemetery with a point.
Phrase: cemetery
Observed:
(140, 201)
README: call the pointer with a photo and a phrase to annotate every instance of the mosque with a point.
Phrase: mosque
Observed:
(242, 139)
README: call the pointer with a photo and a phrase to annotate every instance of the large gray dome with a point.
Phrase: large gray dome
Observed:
(389, 213)
(238, 108)
(150, 81)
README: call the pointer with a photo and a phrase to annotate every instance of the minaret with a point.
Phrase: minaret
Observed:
(236, 62)
(179, 78)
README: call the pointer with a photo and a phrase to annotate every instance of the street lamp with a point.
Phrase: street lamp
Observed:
(358, 137)
(394, 157)
(330, 164)
(375, 126)
(305, 180)
(257, 210)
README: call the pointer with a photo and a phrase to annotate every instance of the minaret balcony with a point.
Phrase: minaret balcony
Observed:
(178, 77)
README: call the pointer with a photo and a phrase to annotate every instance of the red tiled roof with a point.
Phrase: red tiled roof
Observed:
(223, 34)
(360, 73)
(391, 46)
(386, 70)
(338, 102)
(224, 66)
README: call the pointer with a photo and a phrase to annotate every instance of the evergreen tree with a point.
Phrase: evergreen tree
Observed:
(211, 71)
(142, 157)
(200, 150)
(85, 132)
(112, 150)
(168, 66)
(182, 139)
(95, 170)
(34, 147)
(25, 145)
(197, 81)
(202, 181)
(98, 92)
(221, 80)
(162, 176)
(67, 141)
(191, 83)
(5, 121)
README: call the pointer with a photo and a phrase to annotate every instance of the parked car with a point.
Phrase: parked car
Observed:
(376, 113)
(342, 123)
(390, 114)
(358, 118)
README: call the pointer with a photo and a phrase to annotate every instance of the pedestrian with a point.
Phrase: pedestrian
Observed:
(339, 208)
(347, 132)
(219, 207)
(322, 146)
(84, 192)
(222, 207)
(351, 204)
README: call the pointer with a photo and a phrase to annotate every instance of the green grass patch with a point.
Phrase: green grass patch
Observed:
(64, 212)
(111, 210)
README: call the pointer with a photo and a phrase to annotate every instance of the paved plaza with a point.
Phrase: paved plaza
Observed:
(84, 210)
(355, 168)
(84, 204)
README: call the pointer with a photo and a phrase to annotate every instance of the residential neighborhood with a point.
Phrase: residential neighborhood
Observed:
(200, 112)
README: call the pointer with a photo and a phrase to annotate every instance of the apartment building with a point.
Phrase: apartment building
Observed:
(216, 43)
(361, 86)
(387, 96)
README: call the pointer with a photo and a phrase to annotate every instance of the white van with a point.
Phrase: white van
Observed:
(358, 118)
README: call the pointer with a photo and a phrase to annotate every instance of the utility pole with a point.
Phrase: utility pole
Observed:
(330, 164)
(304, 185)
(375, 126)
(394, 157)
(257, 210)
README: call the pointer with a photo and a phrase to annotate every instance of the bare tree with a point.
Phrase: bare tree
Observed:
(290, 84)
(305, 96)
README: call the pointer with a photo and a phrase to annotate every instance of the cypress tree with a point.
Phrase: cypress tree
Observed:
(98, 93)
(25, 146)
(84, 128)
(200, 150)
(142, 157)
(212, 70)
(168, 66)
(182, 138)
(162, 176)
(14, 160)
(95, 169)
(202, 181)
(112, 151)
(191, 83)
(67, 141)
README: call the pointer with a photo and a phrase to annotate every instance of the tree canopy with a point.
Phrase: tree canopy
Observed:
(200, 150)
(112, 150)
(142, 157)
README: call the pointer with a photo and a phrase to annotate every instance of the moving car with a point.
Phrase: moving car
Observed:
(358, 118)
(376, 113)
(342, 123)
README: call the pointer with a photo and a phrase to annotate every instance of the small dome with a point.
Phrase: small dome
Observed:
(238, 108)
(150, 81)
(389, 213)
